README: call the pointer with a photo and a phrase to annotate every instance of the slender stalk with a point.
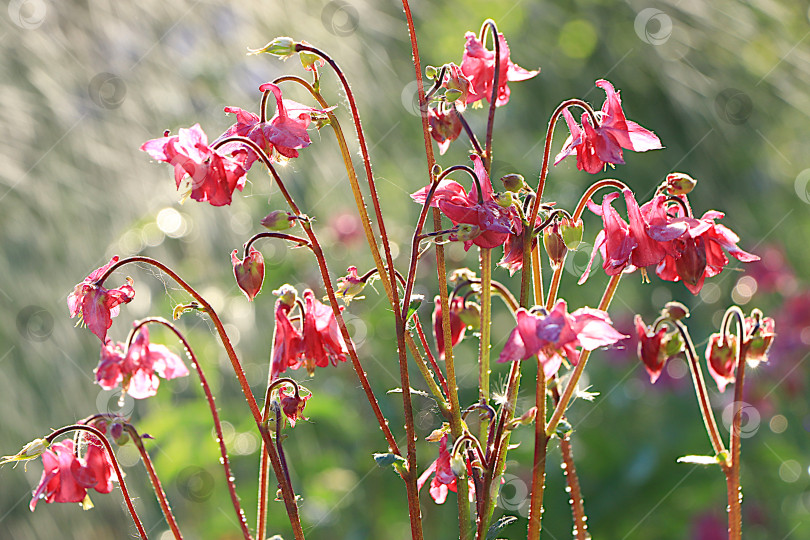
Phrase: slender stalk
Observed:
(485, 332)
(157, 487)
(565, 399)
(734, 489)
(489, 23)
(700, 390)
(574, 490)
(209, 397)
(118, 472)
(473, 139)
(286, 490)
(423, 339)
(540, 451)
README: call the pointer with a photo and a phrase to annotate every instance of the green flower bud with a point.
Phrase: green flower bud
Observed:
(513, 182)
(471, 315)
(680, 183)
(571, 232)
(673, 344)
(278, 220)
(431, 72)
(283, 47)
(451, 94)
(554, 244)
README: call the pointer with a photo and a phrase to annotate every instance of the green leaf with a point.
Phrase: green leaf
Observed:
(388, 459)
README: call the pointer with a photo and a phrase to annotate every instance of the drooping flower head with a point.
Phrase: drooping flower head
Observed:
(557, 334)
(457, 326)
(207, 175)
(595, 146)
(283, 135)
(139, 369)
(444, 479)
(698, 253)
(350, 285)
(456, 81)
(651, 348)
(293, 405)
(249, 272)
(287, 340)
(322, 342)
(67, 478)
(445, 126)
(721, 356)
(478, 65)
(493, 223)
(760, 342)
(95, 305)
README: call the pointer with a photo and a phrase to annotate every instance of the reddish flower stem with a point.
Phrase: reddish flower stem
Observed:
(574, 490)
(441, 271)
(540, 451)
(490, 24)
(282, 236)
(209, 397)
(157, 487)
(286, 490)
(118, 472)
(473, 139)
(429, 354)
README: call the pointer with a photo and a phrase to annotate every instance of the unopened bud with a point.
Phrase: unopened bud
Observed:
(287, 294)
(528, 417)
(675, 311)
(31, 450)
(471, 315)
(431, 72)
(278, 220)
(451, 94)
(504, 199)
(571, 232)
(554, 244)
(563, 429)
(283, 47)
(760, 342)
(680, 183)
(457, 465)
(513, 182)
(249, 273)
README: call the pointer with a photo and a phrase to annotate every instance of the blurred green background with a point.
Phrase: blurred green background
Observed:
(724, 85)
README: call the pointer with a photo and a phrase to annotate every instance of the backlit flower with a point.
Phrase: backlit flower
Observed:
(595, 146)
(95, 305)
(249, 272)
(67, 478)
(293, 405)
(138, 369)
(494, 223)
(651, 348)
(322, 342)
(445, 126)
(207, 175)
(444, 480)
(457, 326)
(557, 334)
(478, 65)
(287, 341)
(721, 356)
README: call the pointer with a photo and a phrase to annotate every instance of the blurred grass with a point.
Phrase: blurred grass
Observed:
(85, 83)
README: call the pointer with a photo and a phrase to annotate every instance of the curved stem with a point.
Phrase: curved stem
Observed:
(734, 489)
(496, 81)
(118, 472)
(286, 490)
(473, 139)
(282, 236)
(209, 397)
(157, 487)
(700, 390)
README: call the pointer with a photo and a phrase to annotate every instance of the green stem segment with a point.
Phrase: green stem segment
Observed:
(486, 329)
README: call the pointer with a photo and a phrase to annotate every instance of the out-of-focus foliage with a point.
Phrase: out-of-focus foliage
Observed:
(724, 84)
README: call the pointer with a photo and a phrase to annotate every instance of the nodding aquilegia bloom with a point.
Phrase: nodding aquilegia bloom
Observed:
(95, 305)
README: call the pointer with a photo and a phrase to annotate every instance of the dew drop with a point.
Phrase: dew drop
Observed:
(568, 489)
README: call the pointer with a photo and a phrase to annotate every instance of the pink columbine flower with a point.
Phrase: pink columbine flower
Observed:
(322, 342)
(651, 348)
(445, 126)
(444, 480)
(209, 175)
(455, 79)
(138, 369)
(493, 222)
(595, 146)
(285, 132)
(759, 344)
(95, 305)
(478, 65)
(293, 405)
(350, 285)
(249, 272)
(67, 478)
(558, 333)
(457, 326)
(287, 339)
(641, 242)
(698, 253)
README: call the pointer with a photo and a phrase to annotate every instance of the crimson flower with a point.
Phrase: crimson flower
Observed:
(595, 146)
(249, 272)
(322, 342)
(287, 340)
(641, 243)
(651, 348)
(558, 333)
(293, 405)
(493, 222)
(698, 253)
(478, 65)
(208, 175)
(444, 479)
(721, 356)
(137, 370)
(457, 326)
(285, 132)
(67, 478)
(445, 126)
(95, 305)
